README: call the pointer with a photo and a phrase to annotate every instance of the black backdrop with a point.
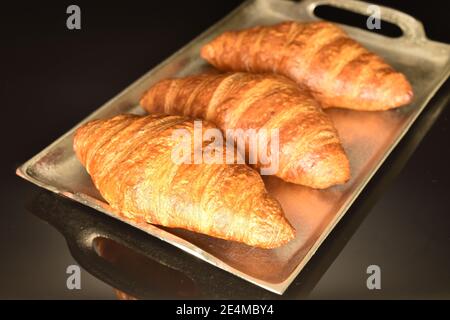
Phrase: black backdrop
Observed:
(52, 77)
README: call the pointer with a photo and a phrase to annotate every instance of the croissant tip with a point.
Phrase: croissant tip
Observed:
(144, 101)
(405, 99)
(289, 234)
(333, 168)
(409, 95)
(206, 51)
(79, 139)
(405, 94)
(402, 96)
(286, 234)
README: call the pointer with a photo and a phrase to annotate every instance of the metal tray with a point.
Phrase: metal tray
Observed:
(368, 138)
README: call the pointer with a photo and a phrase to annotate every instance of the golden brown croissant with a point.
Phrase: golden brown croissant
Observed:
(130, 161)
(310, 152)
(339, 71)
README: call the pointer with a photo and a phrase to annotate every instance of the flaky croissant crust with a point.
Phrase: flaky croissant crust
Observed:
(310, 152)
(339, 71)
(129, 160)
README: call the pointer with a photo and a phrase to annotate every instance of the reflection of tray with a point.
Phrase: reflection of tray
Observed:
(367, 137)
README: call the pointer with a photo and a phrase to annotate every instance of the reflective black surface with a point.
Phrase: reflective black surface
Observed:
(53, 77)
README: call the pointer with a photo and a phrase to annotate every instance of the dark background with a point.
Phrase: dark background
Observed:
(52, 77)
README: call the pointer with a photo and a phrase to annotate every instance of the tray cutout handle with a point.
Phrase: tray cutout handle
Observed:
(412, 28)
(89, 247)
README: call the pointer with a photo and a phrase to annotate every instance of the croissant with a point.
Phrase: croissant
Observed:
(129, 159)
(309, 152)
(339, 71)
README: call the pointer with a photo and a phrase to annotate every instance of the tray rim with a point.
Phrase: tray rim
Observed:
(278, 288)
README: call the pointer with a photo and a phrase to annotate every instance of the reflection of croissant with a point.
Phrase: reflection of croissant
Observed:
(310, 152)
(129, 160)
(337, 69)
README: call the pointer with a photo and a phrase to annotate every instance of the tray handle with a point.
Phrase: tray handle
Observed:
(81, 226)
(412, 28)
(82, 247)
(190, 277)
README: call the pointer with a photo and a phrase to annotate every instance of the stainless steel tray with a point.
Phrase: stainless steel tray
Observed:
(368, 138)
